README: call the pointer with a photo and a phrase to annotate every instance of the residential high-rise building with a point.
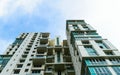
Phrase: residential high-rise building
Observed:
(37, 54)
(91, 54)
(83, 53)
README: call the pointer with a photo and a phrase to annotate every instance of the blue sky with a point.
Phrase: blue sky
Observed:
(17, 16)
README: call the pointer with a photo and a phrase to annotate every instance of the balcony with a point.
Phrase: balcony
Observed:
(48, 72)
(65, 43)
(34, 74)
(59, 66)
(70, 70)
(50, 59)
(66, 51)
(37, 66)
(45, 35)
(43, 40)
(58, 49)
(67, 58)
(39, 59)
(50, 50)
(41, 49)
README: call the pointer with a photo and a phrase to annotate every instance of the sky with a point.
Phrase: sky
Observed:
(17, 16)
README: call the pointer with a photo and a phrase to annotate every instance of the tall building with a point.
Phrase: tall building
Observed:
(91, 54)
(37, 54)
(83, 53)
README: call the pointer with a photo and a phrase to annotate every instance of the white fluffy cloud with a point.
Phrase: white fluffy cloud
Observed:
(9, 6)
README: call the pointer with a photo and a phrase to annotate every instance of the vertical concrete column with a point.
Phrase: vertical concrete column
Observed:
(81, 28)
(82, 52)
(61, 56)
(78, 42)
(108, 62)
(55, 57)
(70, 27)
(112, 71)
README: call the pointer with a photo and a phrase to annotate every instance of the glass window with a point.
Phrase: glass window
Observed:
(85, 42)
(19, 66)
(59, 72)
(85, 27)
(18, 41)
(99, 71)
(58, 56)
(109, 53)
(26, 70)
(115, 60)
(95, 61)
(117, 70)
(75, 27)
(90, 50)
(35, 71)
(1, 61)
(91, 33)
(57, 41)
(16, 71)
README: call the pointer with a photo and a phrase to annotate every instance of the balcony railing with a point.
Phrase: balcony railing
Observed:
(39, 59)
(34, 74)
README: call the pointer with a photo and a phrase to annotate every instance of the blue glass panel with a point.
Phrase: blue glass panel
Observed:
(91, 51)
(88, 62)
(92, 71)
(99, 71)
(117, 70)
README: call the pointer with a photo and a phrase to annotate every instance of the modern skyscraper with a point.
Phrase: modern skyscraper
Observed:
(83, 53)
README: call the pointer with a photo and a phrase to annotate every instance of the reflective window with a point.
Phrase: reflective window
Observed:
(90, 50)
(115, 60)
(95, 61)
(75, 27)
(117, 70)
(58, 57)
(99, 71)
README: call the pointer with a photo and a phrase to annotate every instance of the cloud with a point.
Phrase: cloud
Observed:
(8, 7)
(18, 16)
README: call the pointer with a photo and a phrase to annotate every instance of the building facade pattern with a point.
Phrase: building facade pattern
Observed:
(84, 52)
(37, 54)
(91, 54)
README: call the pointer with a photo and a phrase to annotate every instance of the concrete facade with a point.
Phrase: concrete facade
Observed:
(37, 54)
(83, 53)
(91, 54)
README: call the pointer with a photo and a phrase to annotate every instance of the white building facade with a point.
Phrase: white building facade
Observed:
(91, 54)
(37, 54)
(84, 52)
